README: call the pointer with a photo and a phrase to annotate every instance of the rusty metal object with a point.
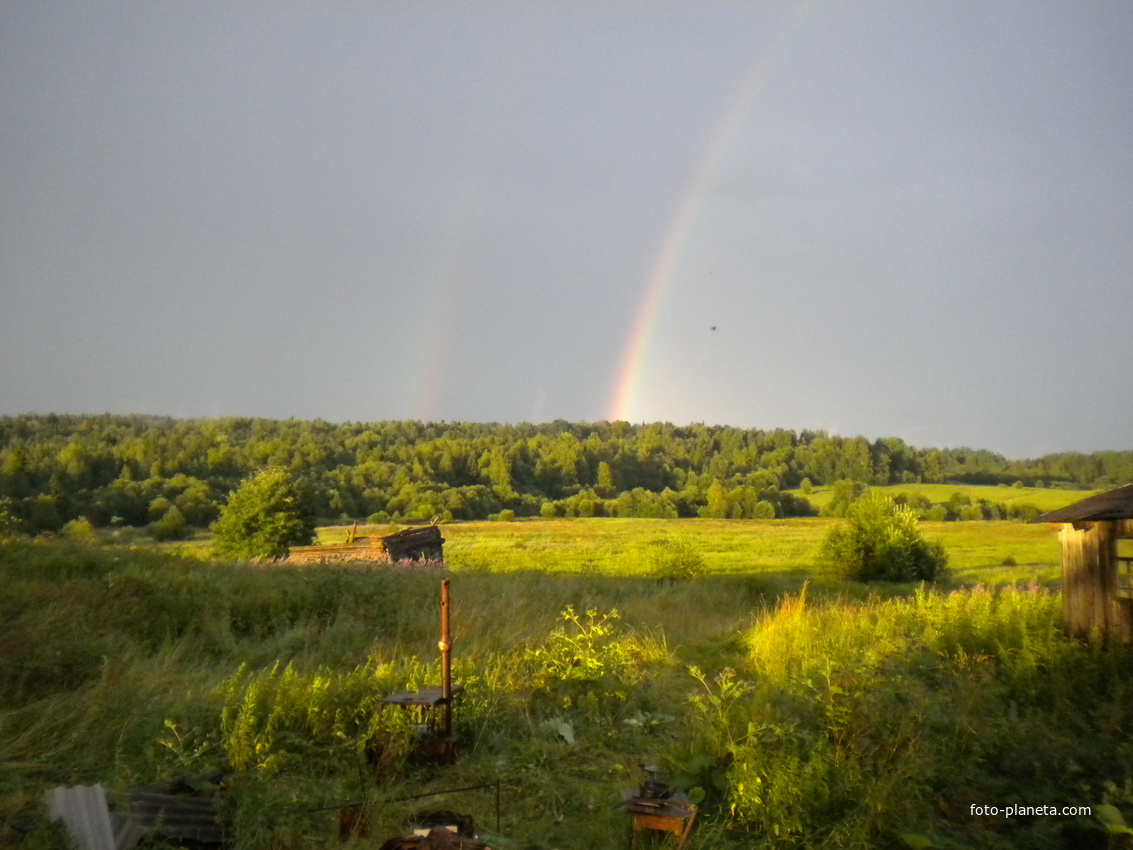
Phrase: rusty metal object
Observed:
(438, 838)
(434, 704)
(445, 646)
(654, 807)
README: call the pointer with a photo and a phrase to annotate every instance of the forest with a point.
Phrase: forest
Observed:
(170, 474)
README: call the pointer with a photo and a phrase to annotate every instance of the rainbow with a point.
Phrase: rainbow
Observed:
(624, 399)
(451, 272)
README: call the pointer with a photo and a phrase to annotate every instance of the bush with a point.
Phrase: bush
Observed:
(171, 526)
(10, 525)
(264, 518)
(678, 560)
(763, 510)
(81, 530)
(880, 541)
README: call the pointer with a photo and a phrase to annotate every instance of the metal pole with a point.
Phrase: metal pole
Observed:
(446, 660)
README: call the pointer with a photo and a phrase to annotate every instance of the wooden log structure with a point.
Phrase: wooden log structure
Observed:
(419, 543)
(1096, 538)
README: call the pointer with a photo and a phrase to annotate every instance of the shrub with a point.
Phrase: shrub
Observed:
(10, 525)
(763, 510)
(264, 518)
(677, 560)
(880, 541)
(171, 526)
(82, 530)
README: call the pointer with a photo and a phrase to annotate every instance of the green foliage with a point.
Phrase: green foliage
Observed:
(845, 494)
(833, 722)
(171, 526)
(133, 468)
(10, 524)
(866, 720)
(763, 510)
(586, 648)
(264, 518)
(280, 718)
(81, 530)
(677, 559)
(880, 541)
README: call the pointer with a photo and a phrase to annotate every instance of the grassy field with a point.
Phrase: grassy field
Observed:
(1043, 498)
(779, 550)
(801, 714)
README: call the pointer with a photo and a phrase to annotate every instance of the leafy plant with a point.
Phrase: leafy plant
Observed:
(678, 560)
(263, 518)
(10, 524)
(587, 648)
(881, 541)
(81, 530)
(170, 526)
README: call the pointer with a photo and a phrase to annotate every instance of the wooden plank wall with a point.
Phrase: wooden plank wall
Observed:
(1089, 584)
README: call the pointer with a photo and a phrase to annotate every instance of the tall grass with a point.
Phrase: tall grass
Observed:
(866, 720)
(799, 715)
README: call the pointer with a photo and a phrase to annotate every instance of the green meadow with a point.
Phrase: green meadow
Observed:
(798, 712)
(777, 550)
(1043, 498)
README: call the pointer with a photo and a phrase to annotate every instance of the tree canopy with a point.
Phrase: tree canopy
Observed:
(131, 470)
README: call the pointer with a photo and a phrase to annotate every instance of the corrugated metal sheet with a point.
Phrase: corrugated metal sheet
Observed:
(84, 811)
(171, 810)
(178, 816)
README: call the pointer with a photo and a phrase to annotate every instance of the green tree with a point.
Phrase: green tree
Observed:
(605, 487)
(170, 526)
(263, 518)
(880, 541)
(718, 505)
(763, 510)
(845, 494)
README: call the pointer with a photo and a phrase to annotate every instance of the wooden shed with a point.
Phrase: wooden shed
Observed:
(1097, 564)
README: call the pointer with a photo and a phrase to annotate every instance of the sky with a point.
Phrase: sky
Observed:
(909, 219)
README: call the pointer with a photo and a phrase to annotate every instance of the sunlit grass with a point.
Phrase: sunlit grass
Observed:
(1043, 498)
(977, 550)
(103, 649)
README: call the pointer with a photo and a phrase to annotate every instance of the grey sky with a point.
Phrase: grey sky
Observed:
(904, 218)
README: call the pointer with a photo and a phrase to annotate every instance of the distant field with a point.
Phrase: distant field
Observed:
(787, 547)
(1042, 498)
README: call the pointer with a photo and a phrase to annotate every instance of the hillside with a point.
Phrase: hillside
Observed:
(172, 474)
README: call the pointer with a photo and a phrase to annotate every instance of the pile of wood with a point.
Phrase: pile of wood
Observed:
(414, 544)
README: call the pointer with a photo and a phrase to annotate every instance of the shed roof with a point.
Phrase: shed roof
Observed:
(1111, 505)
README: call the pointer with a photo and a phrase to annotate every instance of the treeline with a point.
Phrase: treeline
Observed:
(175, 473)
